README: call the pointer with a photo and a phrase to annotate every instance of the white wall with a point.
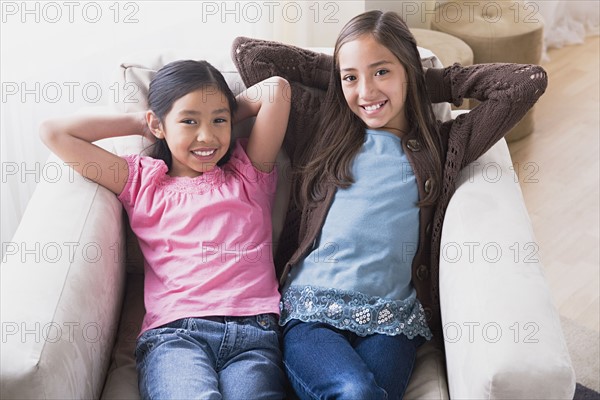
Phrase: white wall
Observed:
(59, 57)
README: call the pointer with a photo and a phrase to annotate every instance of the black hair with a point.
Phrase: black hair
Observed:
(176, 80)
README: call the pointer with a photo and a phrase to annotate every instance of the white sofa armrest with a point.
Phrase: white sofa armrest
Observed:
(502, 333)
(62, 281)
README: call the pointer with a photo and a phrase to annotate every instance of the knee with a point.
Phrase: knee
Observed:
(364, 389)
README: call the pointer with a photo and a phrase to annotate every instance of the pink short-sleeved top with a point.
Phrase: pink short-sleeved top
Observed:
(206, 240)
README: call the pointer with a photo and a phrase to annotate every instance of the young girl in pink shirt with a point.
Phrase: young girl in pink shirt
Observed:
(200, 205)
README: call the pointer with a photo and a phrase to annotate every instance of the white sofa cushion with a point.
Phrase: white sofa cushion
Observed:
(61, 288)
(502, 333)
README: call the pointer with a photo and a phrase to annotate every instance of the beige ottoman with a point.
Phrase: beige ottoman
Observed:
(496, 31)
(447, 48)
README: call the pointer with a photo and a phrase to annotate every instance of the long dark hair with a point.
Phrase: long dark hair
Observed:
(176, 80)
(340, 132)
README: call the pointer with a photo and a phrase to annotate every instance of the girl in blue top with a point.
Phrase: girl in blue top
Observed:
(359, 257)
(352, 293)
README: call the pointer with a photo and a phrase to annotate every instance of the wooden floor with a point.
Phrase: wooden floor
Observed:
(564, 203)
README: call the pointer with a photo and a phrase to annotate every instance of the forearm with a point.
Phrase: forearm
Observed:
(308, 74)
(263, 94)
(258, 59)
(246, 107)
(93, 127)
(506, 93)
(500, 81)
(269, 101)
(71, 140)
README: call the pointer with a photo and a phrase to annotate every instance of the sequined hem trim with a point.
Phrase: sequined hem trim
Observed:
(354, 311)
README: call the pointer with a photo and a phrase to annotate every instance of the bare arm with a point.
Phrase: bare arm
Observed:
(71, 140)
(268, 100)
(307, 72)
(258, 59)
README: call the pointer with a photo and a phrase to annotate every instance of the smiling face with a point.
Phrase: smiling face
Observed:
(374, 83)
(197, 131)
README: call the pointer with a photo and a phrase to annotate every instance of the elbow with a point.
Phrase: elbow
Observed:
(540, 77)
(48, 132)
(283, 90)
(281, 80)
(281, 85)
(537, 80)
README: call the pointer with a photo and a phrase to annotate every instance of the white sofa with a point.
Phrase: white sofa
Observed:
(71, 285)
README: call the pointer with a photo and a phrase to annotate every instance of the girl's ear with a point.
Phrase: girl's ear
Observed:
(154, 125)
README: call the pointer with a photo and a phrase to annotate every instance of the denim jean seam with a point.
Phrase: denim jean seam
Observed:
(185, 324)
(299, 381)
(242, 335)
(144, 346)
(224, 347)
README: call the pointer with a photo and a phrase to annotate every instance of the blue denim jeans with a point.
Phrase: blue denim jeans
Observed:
(323, 362)
(212, 358)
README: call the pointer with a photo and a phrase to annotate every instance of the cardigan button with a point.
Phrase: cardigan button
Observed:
(413, 145)
(428, 185)
(422, 272)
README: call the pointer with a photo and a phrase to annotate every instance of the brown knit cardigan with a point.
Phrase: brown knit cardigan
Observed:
(506, 93)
